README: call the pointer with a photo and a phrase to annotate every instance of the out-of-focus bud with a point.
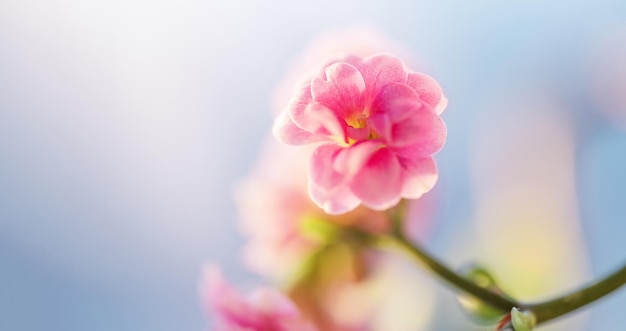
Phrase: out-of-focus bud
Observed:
(474, 307)
(517, 320)
(522, 320)
(318, 229)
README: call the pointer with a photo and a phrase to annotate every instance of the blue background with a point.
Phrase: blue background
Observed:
(125, 124)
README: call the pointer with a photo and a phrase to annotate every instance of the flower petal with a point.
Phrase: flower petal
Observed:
(411, 121)
(286, 131)
(226, 302)
(340, 89)
(313, 117)
(265, 309)
(422, 135)
(424, 131)
(381, 125)
(381, 70)
(418, 177)
(358, 134)
(327, 187)
(318, 119)
(334, 202)
(349, 161)
(272, 303)
(389, 96)
(300, 99)
(379, 184)
(428, 90)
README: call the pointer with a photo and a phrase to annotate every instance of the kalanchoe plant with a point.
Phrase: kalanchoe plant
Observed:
(373, 126)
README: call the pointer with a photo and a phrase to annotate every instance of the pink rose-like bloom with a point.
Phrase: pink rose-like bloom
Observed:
(264, 309)
(379, 126)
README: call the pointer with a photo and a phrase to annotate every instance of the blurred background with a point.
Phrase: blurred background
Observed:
(125, 124)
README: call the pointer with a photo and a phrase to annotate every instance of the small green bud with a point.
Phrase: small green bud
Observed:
(474, 307)
(522, 320)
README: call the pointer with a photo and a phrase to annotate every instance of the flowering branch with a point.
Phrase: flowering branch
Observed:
(375, 126)
(485, 295)
(398, 239)
(542, 312)
(434, 265)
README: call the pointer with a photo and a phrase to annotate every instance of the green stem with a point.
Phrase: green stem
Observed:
(552, 309)
(398, 239)
(437, 267)
(543, 311)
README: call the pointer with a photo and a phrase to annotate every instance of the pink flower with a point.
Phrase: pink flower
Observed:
(379, 126)
(263, 310)
(276, 213)
(279, 220)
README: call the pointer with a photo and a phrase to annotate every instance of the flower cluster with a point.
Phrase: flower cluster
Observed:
(320, 210)
(372, 127)
(292, 241)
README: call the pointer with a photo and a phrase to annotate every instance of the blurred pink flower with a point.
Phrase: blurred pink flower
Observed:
(264, 309)
(276, 213)
(279, 220)
(380, 126)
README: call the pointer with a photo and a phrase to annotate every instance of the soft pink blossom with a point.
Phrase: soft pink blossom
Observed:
(378, 125)
(274, 208)
(265, 309)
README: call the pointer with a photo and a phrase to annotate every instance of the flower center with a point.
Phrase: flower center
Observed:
(358, 121)
(359, 129)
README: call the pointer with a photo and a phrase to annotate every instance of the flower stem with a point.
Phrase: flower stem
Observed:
(543, 311)
(398, 239)
(460, 282)
(552, 309)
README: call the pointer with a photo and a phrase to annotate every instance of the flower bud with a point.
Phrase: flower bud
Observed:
(477, 309)
(517, 320)
(522, 320)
